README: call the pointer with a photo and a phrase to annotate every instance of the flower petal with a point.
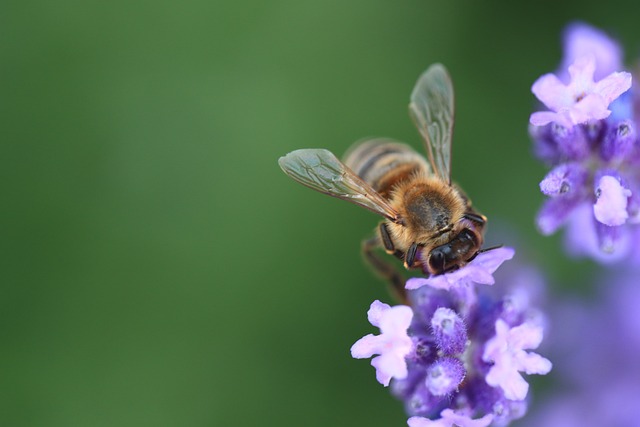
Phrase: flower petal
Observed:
(480, 270)
(611, 201)
(366, 347)
(506, 351)
(541, 118)
(581, 72)
(612, 86)
(375, 312)
(551, 92)
(393, 344)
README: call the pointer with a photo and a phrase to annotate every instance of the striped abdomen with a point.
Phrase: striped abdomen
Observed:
(383, 163)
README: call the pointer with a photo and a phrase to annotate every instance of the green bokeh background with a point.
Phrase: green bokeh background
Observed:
(159, 269)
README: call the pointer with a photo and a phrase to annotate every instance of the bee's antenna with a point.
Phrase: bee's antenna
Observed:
(490, 249)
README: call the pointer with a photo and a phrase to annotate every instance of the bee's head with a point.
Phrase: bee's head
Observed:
(456, 253)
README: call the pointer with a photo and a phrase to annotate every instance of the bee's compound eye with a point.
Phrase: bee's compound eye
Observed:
(437, 261)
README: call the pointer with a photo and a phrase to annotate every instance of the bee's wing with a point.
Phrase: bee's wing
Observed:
(322, 171)
(432, 110)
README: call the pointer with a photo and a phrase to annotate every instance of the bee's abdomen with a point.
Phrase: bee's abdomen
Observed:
(383, 163)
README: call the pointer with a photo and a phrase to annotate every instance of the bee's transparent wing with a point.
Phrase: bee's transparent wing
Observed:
(322, 171)
(432, 109)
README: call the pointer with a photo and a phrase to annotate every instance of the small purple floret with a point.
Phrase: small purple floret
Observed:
(611, 201)
(449, 331)
(444, 376)
(507, 351)
(582, 100)
(392, 345)
(566, 179)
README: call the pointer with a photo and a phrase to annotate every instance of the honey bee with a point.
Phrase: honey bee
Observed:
(429, 222)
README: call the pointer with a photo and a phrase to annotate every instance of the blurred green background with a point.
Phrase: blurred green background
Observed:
(160, 269)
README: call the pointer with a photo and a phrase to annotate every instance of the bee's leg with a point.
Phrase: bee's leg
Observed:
(410, 256)
(386, 239)
(383, 268)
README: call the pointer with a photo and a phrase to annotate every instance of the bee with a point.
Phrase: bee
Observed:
(429, 222)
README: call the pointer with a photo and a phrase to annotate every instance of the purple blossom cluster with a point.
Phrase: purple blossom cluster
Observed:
(588, 135)
(456, 355)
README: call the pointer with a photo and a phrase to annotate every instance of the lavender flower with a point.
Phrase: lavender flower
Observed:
(589, 138)
(582, 100)
(457, 356)
(507, 351)
(393, 344)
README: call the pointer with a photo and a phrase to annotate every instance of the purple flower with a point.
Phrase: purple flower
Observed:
(449, 331)
(480, 270)
(393, 344)
(611, 201)
(582, 100)
(507, 351)
(450, 419)
(460, 341)
(590, 140)
(444, 376)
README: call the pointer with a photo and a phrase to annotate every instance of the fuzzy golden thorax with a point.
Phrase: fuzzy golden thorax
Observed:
(430, 209)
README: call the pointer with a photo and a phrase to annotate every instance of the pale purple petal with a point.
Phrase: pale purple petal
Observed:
(451, 419)
(611, 201)
(480, 270)
(426, 422)
(366, 346)
(396, 320)
(526, 336)
(375, 312)
(509, 380)
(382, 376)
(612, 86)
(552, 93)
(533, 363)
(507, 351)
(582, 100)
(591, 107)
(389, 366)
(581, 73)
(393, 344)
(465, 421)
(541, 118)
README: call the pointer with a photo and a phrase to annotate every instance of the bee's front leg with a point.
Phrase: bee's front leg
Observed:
(383, 268)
